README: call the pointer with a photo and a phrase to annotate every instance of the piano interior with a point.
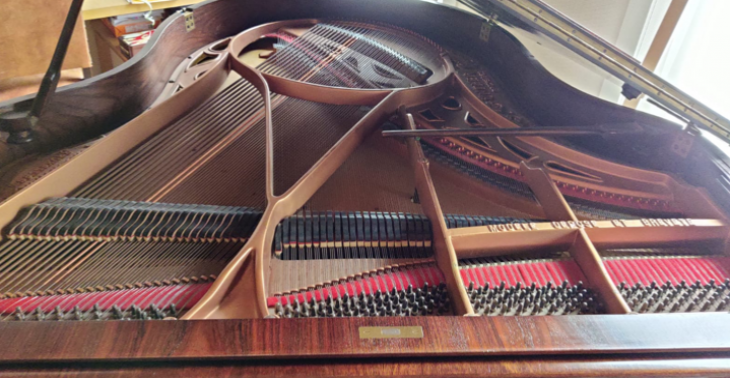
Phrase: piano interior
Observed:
(274, 178)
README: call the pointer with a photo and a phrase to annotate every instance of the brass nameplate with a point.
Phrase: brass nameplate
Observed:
(415, 332)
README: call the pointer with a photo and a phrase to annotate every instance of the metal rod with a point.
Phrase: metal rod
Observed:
(53, 74)
(612, 129)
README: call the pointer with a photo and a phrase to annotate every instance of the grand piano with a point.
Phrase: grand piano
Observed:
(359, 188)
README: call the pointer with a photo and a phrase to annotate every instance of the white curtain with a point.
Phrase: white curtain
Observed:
(697, 58)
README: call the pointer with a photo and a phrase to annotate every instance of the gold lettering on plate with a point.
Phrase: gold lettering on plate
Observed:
(669, 222)
(516, 226)
(562, 225)
(583, 224)
(412, 332)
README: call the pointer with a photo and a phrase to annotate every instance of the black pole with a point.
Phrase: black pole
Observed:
(50, 80)
(19, 124)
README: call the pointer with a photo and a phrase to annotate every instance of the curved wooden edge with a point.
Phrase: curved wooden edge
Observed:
(136, 59)
(338, 338)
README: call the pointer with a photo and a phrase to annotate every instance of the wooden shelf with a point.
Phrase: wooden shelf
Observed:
(104, 48)
(96, 9)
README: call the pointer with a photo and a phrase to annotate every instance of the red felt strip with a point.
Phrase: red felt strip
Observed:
(399, 279)
(539, 273)
(674, 270)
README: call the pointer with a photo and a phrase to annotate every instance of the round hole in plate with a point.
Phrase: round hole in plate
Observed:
(471, 121)
(199, 74)
(451, 104)
(220, 46)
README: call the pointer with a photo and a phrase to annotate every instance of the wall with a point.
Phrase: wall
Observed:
(29, 31)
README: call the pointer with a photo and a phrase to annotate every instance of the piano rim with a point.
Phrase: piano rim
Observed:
(695, 334)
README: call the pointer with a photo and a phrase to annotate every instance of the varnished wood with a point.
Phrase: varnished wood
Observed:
(85, 110)
(338, 338)
(564, 367)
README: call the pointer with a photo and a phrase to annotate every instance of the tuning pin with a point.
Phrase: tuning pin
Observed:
(59, 313)
(158, 313)
(19, 314)
(78, 315)
(172, 311)
(40, 315)
(117, 313)
(97, 312)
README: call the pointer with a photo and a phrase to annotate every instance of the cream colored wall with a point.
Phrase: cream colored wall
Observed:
(628, 24)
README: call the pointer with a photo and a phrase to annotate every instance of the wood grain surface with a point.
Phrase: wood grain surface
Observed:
(338, 338)
(625, 367)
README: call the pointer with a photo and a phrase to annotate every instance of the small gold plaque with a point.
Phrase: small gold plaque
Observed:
(414, 332)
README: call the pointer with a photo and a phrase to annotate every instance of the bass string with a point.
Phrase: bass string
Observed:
(154, 164)
(134, 267)
(159, 141)
(210, 153)
(304, 123)
(244, 186)
(32, 257)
